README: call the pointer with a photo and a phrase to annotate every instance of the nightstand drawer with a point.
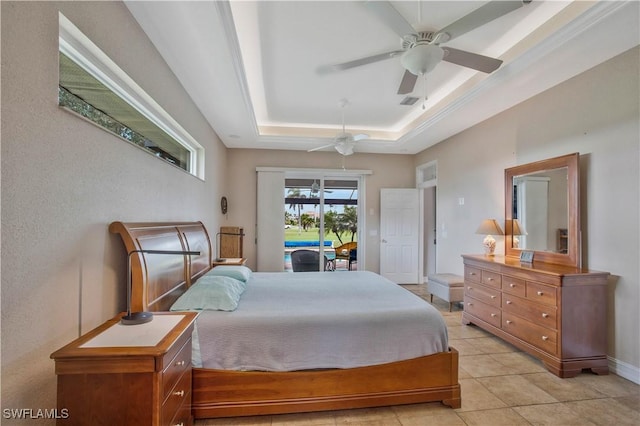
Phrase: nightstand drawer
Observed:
(176, 367)
(183, 416)
(482, 311)
(487, 295)
(179, 395)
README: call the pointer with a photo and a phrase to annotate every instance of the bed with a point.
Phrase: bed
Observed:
(290, 381)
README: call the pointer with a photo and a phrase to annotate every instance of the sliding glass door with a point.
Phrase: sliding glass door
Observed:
(322, 214)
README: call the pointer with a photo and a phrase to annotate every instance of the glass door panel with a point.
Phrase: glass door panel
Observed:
(321, 214)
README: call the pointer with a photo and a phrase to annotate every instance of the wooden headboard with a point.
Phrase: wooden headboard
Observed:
(158, 280)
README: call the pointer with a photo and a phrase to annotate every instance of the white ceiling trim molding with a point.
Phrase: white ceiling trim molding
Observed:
(226, 18)
(311, 171)
(566, 33)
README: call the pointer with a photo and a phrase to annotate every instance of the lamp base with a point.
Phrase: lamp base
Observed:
(136, 318)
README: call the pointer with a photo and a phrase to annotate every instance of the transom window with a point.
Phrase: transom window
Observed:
(93, 86)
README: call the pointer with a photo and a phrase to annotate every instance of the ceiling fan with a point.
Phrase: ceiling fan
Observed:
(421, 50)
(344, 142)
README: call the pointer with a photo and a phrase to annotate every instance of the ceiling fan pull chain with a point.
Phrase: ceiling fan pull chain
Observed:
(424, 107)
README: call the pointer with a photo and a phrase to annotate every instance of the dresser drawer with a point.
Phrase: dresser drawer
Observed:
(487, 313)
(492, 279)
(472, 274)
(544, 315)
(541, 293)
(536, 335)
(513, 285)
(175, 367)
(484, 294)
(180, 395)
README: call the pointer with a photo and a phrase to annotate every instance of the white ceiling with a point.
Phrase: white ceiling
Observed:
(251, 66)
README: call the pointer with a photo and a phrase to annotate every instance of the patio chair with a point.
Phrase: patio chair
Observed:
(306, 261)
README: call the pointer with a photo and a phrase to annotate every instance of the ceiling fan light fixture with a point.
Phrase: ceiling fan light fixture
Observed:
(422, 58)
(345, 147)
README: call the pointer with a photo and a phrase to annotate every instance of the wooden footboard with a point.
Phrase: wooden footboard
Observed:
(221, 393)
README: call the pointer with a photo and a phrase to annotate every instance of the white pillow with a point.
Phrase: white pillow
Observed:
(239, 272)
(211, 293)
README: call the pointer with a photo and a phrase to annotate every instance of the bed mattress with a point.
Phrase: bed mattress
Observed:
(316, 320)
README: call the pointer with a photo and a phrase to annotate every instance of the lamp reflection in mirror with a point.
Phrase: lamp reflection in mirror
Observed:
(134, 318)
(516, 230)
(489, 227)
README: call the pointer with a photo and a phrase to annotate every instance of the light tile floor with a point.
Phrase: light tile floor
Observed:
(500, 386)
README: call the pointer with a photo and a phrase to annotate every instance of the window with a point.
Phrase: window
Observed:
(93, 86)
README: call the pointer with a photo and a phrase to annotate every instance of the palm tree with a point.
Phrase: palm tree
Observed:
(350, 220)
(333, 223)
(296, 193)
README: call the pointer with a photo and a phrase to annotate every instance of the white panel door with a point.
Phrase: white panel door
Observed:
(399, 235)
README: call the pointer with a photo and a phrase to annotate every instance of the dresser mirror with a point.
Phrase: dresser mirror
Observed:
(542, 210)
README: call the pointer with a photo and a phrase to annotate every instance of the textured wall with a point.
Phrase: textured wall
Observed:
(596, 114)
(64, 180)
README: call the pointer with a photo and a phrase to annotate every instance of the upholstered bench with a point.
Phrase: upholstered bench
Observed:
(448, 287)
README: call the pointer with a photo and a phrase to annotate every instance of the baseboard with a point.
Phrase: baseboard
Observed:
(623, 369)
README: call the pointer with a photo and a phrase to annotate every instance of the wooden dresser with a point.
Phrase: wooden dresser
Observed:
(556, 313)
(128, 375)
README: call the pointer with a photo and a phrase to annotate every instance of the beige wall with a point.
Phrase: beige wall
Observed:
(389, 171)
(64, 180)
(596, 114)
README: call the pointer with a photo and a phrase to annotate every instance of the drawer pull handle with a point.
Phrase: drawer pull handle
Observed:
(545, 315)
(545, 338)
(470, 288)
(512, 285)
(469, 304)
(509, 321)
(509, 302)
(179, 393)
(540, 293)
(179, 363)
(493, 297)
(489, 279)
(472, 273)
(493, 315)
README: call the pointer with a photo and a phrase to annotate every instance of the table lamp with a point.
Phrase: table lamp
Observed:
(517, 229)
(489, 227)
(133, 318)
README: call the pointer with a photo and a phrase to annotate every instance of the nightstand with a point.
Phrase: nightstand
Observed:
(128, 374)
(230, 261)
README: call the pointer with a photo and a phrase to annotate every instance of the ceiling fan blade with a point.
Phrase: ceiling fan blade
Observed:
(320, 147)
(471, 60)
(325, 69)
(480, 16)
(408, 83)
(391, 17)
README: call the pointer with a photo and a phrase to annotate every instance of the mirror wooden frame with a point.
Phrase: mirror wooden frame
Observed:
(571, 162)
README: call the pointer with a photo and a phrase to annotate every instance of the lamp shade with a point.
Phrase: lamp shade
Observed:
(490, 227)
(517, 228)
